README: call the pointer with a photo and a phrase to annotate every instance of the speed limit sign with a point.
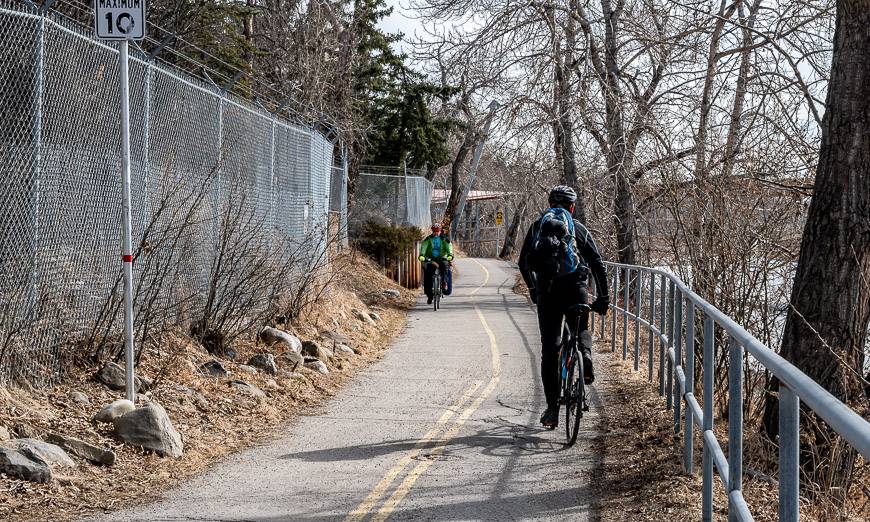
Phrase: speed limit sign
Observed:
(120, 19)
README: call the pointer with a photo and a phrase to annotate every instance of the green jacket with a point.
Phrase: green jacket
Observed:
(426, 248)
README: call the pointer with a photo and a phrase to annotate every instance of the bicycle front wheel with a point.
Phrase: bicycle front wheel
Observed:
(575, 396)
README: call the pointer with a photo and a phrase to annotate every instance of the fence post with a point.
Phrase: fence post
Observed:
(35, 182)
(669, 379)
(615, 306)
(662, 320)
(689, 428)
(735, 423)
(638, 298)
(651, 314)
(678, 359)
(625, 307)
(709, 364)
(789, 454)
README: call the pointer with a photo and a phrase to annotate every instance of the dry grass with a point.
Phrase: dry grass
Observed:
(226, 422)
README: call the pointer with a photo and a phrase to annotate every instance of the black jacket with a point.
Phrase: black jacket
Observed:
(585, 246)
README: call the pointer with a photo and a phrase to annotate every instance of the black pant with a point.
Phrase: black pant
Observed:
(429, 273)
(552, 307)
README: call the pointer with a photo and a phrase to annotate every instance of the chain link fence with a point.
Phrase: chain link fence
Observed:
(391, 199)
(221, 188)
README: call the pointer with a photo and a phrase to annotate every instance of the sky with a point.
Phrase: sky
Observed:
(399, 21)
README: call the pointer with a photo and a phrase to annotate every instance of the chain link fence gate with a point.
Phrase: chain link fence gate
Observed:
(210, 171)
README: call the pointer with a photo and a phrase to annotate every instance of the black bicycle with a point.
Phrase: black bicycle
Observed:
(571, 372)
(437, 291)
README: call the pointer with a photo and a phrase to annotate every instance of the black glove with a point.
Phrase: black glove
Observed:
(601, 304)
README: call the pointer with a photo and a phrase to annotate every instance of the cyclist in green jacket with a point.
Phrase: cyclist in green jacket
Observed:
(438, 249)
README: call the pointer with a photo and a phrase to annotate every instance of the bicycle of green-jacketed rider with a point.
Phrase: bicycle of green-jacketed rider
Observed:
(436, 284)
(571, 371)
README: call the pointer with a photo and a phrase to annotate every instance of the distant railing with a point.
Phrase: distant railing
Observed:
(668, 302)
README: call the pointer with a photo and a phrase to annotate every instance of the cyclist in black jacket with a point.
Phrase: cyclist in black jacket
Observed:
(554, 299)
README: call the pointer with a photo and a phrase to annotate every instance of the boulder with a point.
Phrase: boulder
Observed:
(362, 316)
(113, 376)
(24, 465)
(264, 362)
(336, 337)
(314, 349)
(250, 370)
(318, 366)
(149, 427)
(112, 411)
(344, 349)
(273, 335)
(80, 398)
(51, 454)
(292, 359)
(213, 368)
(83, 449)
(248, 389)
(392, 293)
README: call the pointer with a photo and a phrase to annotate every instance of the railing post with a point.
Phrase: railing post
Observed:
(735, 423)
(789, 454)
(638, 299)
(615, 306)
(678, 360)
(707, 493)
(669, 380)
(651, 313)
(626, 297)
(663, 291)
(689, 428)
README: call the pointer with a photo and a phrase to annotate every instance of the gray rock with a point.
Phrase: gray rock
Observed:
(363, 316)
(189, 394)
(51, 454)
(4, 434)
(80, 398)
(344, 349)
(335, 336)
(145, 383)
(250, 370)
(149, 427)
(213, 368)
(271, 384)
(273, 335)
(24, 465)
(375, 317)
(293, 359)
(248, 389)
(113, 376)
(265, 362)
(83, 449)
(112, 411)
(314, 349)
(392, 293)
(318, 366)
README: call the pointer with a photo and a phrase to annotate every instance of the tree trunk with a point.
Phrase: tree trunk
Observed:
(513, 231)
(456, 177)
(826, 327)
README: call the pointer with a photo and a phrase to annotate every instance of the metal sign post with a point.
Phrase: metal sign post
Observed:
(124, 20)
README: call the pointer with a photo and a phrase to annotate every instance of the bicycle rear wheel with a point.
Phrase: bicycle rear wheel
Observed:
(436, 291)
(575, 396)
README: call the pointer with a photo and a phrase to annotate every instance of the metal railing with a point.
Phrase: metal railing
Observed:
(667, 309)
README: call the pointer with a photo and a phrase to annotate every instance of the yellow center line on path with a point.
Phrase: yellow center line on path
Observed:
(402, 490)
(366, 505)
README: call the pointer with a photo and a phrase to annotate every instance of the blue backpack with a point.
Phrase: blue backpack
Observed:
(554, 248)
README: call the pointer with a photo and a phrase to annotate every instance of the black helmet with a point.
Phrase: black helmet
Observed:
(562, 195)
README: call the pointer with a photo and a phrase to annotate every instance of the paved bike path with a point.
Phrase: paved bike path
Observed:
(445, 427)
